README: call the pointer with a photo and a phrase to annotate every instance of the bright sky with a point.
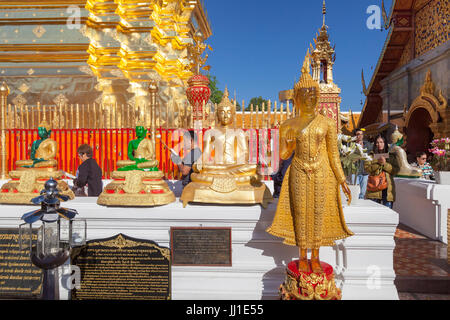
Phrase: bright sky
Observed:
(259, 45)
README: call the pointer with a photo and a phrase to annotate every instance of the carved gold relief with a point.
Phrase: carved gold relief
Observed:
(431, 26)
(315, 286)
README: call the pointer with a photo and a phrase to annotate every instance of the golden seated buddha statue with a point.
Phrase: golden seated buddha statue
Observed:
(137, 181)
(224, 175)
(30, 175)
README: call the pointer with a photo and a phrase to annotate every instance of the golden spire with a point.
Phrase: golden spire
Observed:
(324, 11)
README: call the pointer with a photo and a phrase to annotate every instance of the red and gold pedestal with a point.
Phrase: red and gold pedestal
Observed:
(309, 285)
(27, 183)
(136, 188)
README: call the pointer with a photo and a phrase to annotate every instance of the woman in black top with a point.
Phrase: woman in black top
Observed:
(88, 172)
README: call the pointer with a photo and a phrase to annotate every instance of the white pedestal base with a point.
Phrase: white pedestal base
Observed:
(423, 206)
(363, 263)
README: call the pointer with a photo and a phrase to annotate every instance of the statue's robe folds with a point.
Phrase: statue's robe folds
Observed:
(309, 213)
(230, 158)
(145, 150)
(226, 178)
(46, 151)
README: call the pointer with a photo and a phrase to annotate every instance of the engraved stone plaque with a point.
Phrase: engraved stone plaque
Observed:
(201, 246)
(123, 268)
(19, 278)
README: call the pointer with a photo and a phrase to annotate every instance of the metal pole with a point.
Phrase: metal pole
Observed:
(153, 89)
(4, 92)
(51, 284)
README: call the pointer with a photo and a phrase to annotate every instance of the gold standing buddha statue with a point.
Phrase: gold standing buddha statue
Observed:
(30, 175)
(224, 175)
(309, 213)
(137, 182)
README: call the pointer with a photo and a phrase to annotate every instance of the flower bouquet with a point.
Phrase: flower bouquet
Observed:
(440, 148)
(350, 152)
(441, 154)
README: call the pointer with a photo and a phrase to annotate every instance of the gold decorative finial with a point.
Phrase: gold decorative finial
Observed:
(306, 80)
(306, 67)
(428, 86)
(45, 124)
(140, 122)
(324, 11)
(226, 94)
(196, 50)
(4, 88)
(226, 100)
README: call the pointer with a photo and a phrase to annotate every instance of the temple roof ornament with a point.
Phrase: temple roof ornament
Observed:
(428, 86)
(323, 55)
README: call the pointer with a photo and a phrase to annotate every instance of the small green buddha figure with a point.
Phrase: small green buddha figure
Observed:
(137, 181)
(141, 153)
(30, 175)
(43, 150)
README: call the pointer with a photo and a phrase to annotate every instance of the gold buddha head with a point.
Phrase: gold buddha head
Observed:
(306, 90)
(225, 111)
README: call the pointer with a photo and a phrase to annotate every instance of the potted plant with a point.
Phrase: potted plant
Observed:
(440, 148)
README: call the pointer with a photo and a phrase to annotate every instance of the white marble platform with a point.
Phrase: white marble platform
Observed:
(423, 205)
(363, 263)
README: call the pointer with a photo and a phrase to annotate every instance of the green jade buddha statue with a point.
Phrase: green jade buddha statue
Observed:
(137, 182)
(43, 150)
(30, 175)
(141, 154)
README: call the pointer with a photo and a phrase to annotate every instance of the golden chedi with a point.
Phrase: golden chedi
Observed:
(30, 175)
(309, 214)
(224, 175)
(137, 182)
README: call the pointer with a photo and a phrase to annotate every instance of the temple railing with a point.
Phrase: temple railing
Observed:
(110, 145)
(108, 128)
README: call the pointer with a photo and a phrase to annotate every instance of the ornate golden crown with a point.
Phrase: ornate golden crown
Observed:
(45, 124)
(306, 80)
(141, 123)
(226, 101)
